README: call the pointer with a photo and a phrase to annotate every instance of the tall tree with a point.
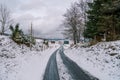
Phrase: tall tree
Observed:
(72, 23)
(103, 20)
(110, 16)
(83, 7)
(93, 18)
(5, 18)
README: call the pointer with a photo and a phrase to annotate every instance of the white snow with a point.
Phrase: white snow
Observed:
(19, 63)
(63, 71)
(101, 60)
(22, 64)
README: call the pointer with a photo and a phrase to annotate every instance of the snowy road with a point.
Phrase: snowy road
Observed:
(51, 72)
(74, 70)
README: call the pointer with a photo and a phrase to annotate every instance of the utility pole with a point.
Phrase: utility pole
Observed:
(31, 35)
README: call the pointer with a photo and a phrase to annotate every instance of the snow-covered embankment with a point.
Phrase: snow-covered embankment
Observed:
(17, 63)
(101, 60)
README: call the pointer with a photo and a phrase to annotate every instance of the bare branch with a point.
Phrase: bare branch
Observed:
(5, 18)
(74, 22)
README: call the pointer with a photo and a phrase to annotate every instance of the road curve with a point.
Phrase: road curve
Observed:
(51, 72)
(74, 70)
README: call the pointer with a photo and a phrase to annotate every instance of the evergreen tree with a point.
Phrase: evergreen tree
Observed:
(19, 37)
(103, 20)
(16, 33)
(93, 18)
(110, 19)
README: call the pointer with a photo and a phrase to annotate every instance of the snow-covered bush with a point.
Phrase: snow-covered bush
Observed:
(19, 37)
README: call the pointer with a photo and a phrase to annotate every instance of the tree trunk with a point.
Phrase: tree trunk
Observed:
(95, 38)
(74, 38)
(2, 32)
(78, 36)
(114, 31)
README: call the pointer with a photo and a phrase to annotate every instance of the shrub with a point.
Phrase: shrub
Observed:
(19, 37)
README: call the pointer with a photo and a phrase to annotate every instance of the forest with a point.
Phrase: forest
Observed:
(97, 20)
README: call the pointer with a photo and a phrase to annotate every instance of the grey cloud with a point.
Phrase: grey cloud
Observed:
(28, 17)
(32, 5)
(45, 14)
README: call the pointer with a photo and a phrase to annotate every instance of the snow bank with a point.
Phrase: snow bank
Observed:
(19, 63)
(63, 71)
(101, 60)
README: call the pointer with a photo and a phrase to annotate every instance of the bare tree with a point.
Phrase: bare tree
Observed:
(83, 7)
(5, 18)
(72, 23)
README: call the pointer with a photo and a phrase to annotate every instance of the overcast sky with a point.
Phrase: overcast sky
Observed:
(44, 14)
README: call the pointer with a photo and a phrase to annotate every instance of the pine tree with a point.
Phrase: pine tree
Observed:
(93, 18)
(110, 18)
(16, 33)
(103, 20)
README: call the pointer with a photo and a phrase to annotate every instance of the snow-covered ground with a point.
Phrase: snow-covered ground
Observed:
(101, 60)
(19, 63)
(63, 71)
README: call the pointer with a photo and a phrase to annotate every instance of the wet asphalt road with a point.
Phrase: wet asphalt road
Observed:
(51, 72)
(74, 70)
